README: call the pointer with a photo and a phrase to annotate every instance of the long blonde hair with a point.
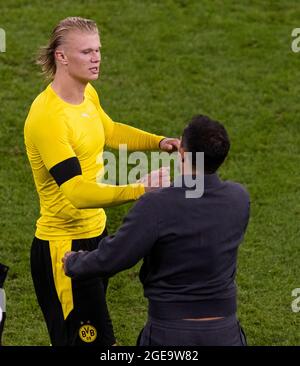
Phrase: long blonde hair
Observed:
(46, 57)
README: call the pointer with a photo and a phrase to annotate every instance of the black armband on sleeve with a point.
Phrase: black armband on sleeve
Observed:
(65, 170)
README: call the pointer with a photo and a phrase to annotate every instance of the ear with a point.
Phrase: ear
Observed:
(181, 152)
(60, 56)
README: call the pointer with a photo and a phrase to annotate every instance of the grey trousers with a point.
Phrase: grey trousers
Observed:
(221, 332)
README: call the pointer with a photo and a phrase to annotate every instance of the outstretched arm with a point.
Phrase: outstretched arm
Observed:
(136, 139)
(55, 148)
(123, 250)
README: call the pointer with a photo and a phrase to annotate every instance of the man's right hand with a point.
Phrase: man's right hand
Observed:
(64, 259)
(156, 179)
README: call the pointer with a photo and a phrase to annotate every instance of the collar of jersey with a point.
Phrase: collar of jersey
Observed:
(70, 105)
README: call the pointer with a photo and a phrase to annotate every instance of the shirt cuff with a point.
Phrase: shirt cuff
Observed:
(159, 139)
(138, 189)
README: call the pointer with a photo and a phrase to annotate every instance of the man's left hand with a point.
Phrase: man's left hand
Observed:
(169, 144)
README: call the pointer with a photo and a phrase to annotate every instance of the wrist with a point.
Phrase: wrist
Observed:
(161, 142)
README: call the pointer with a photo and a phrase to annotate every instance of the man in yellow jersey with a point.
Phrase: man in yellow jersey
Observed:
(65, 133)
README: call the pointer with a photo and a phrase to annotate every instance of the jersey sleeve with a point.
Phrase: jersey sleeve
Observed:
(118, 133)
(84, 194)
(52, 139)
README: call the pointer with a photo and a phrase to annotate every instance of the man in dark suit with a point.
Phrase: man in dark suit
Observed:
(189, 246)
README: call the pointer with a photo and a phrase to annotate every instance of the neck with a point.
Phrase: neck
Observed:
(187, 169)
(68, 89)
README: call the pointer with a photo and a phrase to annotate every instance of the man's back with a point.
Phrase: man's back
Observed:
(194, 256)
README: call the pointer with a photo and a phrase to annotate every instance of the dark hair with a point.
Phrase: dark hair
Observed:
(202, 134)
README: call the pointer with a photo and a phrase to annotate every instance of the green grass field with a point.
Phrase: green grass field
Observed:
(162, 62)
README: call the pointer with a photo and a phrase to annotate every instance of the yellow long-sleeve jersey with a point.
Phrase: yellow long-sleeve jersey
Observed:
(58, 133)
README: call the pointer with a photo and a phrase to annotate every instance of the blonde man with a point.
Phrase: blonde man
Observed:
(65, 131)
